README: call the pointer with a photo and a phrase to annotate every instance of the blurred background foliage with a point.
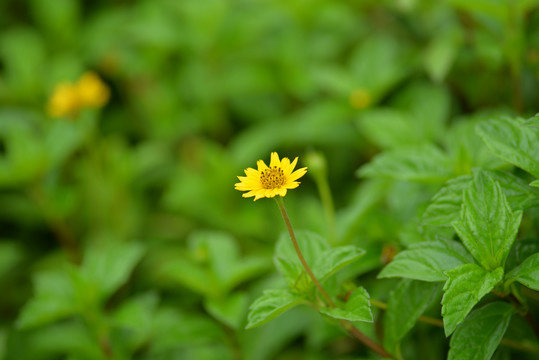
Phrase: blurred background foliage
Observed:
(121, 235)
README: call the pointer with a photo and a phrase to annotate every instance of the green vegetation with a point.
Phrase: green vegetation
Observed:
(124, 126)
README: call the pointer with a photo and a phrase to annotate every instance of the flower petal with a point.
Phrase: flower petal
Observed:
(297, 174)
(259, 195)
(285, 163)
(250, 172)
(261, 165)
(274, 161)
(249, 194)
(246, 187)
(288, 170)
(292, 185)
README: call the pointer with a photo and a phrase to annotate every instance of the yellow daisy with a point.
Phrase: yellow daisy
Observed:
(93, 92)
(68, 98)
(64, 101)
(270, 181)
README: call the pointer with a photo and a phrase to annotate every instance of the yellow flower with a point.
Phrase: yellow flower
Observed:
(93, 92)
(64, 101)
(68, 98)
(270, 181)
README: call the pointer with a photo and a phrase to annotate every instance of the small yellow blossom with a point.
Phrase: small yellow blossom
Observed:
(64, 101)
(68, 98)
(360, 99)
(93, 92)
(270, 181)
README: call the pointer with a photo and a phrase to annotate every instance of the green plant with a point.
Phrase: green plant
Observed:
(123, 125)
(483, 210)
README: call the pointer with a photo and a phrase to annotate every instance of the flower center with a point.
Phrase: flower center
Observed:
(272, 178)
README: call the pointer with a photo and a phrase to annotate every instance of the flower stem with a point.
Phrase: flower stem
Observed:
(280, 202)
(327, 202)
(318, 169)
(347, 325)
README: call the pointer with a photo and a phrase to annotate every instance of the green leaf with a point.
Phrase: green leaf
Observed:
(191, 275)
(408, 119)
(223, 254)
(268, 341)
(219, 249)
(54, 299)
(229, 310)
(526, 273)
(406, 303)
(371, 64)
(270, 305)
(333, 260)
(440, 54)
(110, 266)
(213, 265)
(466, 285)
(323, 123)
(519, 195)
(479, 335)
(487, 8)
(487, 226)
(419, 163)
(357, 308)
(367, 195)
(388, 128)
(24, 155)
(532, 122)
(11, 254)
(173, 328)
(136, 315)
(23, 51)
(427, 261)
(246, 268)
(466, 147)
(512, 142)
(54, 19)
(69, 339)
(520, 251)
(61, 140)
(445, 206)
(286, 259)
(429, 117)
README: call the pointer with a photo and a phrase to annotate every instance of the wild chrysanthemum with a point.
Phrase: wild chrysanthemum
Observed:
(64, 101)
(93, 92)
(69, 99)
(270, 181)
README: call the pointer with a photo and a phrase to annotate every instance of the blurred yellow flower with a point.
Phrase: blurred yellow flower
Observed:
(270, 181)
(93, 92)
(64, 101)
(360, 99)
(68, 98)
